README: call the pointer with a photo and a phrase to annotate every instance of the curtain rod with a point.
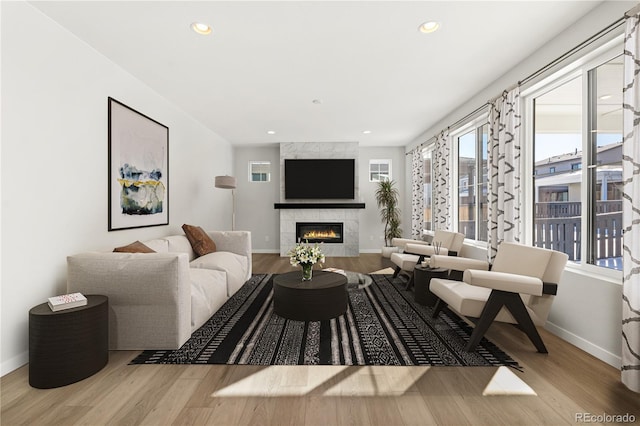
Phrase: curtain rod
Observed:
(468, 116)
(465, 118)
(577, 48)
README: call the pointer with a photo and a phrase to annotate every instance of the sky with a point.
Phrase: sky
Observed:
(549, 144)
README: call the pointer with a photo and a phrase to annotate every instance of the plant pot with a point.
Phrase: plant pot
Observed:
(387, 251)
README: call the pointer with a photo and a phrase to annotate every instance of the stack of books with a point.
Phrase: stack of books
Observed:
(67, 301)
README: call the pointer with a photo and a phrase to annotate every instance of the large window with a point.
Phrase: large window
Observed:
(428, 189)
(577, 134)
(472, 183)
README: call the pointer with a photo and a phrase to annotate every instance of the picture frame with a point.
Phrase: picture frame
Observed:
(138, 169)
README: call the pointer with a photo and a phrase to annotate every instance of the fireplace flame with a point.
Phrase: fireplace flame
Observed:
(319, 234)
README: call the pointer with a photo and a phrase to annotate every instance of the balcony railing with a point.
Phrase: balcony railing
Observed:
(558, 226)
(574, 208)
(564, 234)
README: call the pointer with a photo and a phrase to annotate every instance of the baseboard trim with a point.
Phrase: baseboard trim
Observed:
(370, 251)
(14, 363)
(590, 348)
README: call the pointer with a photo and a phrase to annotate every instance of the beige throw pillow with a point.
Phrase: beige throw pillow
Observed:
(200, 241)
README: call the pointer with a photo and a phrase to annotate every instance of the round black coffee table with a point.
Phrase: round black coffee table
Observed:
(322, 298)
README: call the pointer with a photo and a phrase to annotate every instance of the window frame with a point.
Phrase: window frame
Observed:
(430, 151)
(578, 68)
(259, 162)
(473, 125)
(378, 162)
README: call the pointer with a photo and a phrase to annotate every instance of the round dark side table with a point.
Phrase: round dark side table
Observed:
(69, 345)
(322, 298)
(422, 277)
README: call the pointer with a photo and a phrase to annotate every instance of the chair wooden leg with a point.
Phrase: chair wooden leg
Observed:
(440, 304)
(396, 272)
(520, 313)
(410, 282)
(489, 312)
(513, 302)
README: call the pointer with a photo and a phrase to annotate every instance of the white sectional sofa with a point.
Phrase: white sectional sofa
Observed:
(156, 300)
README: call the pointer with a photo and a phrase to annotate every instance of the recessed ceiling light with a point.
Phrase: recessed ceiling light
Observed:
(604, 97)
(429, 27)
(200, 28)
(366, 132)
(271, 132)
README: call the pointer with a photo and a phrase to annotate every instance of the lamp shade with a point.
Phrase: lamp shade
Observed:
(226, 182)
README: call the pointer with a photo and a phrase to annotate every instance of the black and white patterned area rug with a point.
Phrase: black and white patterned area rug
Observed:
(382, 326)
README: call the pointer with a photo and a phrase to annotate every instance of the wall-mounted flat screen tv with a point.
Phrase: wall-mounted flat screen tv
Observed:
(319, 178)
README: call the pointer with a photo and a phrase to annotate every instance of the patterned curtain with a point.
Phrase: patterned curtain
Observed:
(417, 193)
(504, 168)
(440, 181)
(631, 205)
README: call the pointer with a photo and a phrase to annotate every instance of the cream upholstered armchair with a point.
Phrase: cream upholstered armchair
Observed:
(519, 289)
(414, 251)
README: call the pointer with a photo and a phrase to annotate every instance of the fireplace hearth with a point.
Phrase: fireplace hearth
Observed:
(320, 232)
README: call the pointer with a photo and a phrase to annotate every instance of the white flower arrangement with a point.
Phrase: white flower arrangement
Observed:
(304, 253)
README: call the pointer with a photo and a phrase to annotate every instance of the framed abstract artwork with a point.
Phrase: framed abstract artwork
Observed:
(138, 169)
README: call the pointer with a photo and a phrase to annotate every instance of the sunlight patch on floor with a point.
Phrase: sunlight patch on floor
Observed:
(377, 381)
(279, 381)
(385, 271)
(505, 382)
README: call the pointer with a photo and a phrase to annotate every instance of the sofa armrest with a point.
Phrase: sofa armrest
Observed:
(238, 242)
(504, 281)
(402, 242)
(149, 296)
(457, 263)
(424, 250)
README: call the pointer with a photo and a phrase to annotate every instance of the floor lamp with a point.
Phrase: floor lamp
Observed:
(229, 182)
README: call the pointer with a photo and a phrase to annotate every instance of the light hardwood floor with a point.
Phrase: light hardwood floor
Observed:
(566, 382)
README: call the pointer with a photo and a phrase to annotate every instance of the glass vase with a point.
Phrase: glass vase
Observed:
(307, 271)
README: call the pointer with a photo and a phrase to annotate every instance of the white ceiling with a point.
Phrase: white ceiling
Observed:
(365, 61)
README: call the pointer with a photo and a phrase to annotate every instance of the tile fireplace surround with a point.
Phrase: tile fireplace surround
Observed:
(350, 217)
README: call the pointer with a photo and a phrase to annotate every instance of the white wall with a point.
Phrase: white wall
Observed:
(371, 228)
(54, 164)
(587, 310)
(255, 200)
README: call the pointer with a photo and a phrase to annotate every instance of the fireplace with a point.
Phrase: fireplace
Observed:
(319, 232)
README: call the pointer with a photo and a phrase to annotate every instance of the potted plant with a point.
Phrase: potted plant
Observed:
(387, 199)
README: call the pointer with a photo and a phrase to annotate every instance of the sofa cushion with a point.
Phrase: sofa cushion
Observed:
(180, 244)
(406, 262)
(233, 264)
(159, 245)
(521, 259)
(200, 241)
(134, 247)
(208, 293)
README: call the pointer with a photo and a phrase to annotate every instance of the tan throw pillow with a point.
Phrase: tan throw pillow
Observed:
(200, 241)
(134, 247)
